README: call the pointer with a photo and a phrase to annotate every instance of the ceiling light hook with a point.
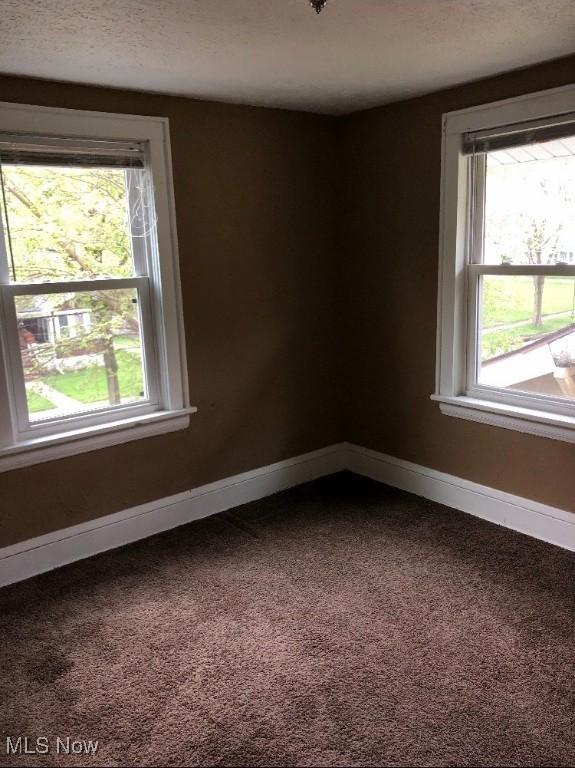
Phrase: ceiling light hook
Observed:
(318, 5)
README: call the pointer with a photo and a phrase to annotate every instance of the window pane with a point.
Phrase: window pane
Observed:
(68, 223)
(80, 351)
(527, 339)
(530, 204)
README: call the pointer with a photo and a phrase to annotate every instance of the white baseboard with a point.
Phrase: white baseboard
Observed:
(555, 526)
(44, 553)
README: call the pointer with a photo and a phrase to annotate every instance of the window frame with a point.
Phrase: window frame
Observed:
(461, 225)
(26, 428)
(167, 407)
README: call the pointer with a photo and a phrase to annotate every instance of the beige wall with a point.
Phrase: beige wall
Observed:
(392, 184)
(256, 222)
(308, 251)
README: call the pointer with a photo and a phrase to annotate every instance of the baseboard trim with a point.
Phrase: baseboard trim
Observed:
(555, 526)
(44, 553)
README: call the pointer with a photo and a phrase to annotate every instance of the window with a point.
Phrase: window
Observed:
(506, 334)
(92, 341)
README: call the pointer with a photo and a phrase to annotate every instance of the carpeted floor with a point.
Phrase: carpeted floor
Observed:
(342, 623)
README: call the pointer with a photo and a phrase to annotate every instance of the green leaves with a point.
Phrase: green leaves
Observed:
(67, 223)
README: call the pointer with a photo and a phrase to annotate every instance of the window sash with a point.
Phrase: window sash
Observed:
(159, 260)
(545, 270)
(23, 428)
(501, 394)
(141, 226)
(453, 309)
(17, 426)
(529, 400)
(473, 271)
(73, 286)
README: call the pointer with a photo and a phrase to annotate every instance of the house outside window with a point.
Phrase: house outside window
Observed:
(506, 332)
(92, 331)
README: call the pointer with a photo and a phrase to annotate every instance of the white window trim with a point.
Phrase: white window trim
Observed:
(455, 398)
(174, 409)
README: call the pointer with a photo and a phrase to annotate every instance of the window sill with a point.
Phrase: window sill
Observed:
(41, 449)
(532, 422)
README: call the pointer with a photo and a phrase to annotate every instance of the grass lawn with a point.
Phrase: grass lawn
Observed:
(497, 342)
(37, 403)
(510, 299)
(127, 342)
(89, 385)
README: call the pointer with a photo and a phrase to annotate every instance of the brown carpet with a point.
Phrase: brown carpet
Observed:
(342, 623)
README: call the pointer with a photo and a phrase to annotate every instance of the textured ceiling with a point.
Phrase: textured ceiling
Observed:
(356, 54)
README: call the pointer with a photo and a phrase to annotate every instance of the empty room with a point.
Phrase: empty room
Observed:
(287, 383)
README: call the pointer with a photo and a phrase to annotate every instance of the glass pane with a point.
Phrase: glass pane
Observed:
(80, 351)
(68, 223)
(530, 204)
(527, 338)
